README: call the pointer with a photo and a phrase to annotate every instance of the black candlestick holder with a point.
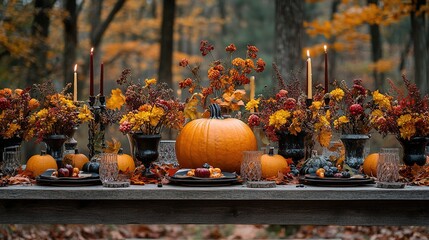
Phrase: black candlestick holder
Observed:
(327, 99)
(96, 127)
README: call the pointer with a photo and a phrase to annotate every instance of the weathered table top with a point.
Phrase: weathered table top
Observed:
(215, 205)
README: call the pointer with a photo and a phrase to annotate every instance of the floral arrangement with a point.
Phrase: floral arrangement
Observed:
(58, 114)
(404, 114)
(149, 106)
(351, 108)
(287, 112)
(16, 107)
(225, 78)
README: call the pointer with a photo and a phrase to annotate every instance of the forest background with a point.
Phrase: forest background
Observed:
(374, 40)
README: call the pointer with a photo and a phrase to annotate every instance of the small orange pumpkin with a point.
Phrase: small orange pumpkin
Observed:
(76, 159)
(272, 164)
(39, 163)
(370, 164)
(125, 162)
(216, 141)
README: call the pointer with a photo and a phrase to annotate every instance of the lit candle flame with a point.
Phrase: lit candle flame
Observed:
(325, 47)
(92, 50)
(75, 68)
(308, 53)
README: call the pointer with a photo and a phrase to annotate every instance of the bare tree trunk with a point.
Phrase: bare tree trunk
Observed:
(98, 28)
(222, 13)
(289, 35)
(404, 54)
(376, 49)
(165, 73)
(37, 70)
(70, 39)
(332, 53)
(420, 49)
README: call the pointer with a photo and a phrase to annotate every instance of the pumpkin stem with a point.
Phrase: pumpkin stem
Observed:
(215, 112)
(120, 151)
(271, 151)
(42, 153)
(76, 151)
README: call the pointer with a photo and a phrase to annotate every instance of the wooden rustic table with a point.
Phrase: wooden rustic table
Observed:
(215, 205)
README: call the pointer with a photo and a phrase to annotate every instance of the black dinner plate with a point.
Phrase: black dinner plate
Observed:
(335, 182)
(47, 180)
(180, 178)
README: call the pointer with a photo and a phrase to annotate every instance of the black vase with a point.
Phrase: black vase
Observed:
(354, 145)
(292, 146)
(8, 142)
(146, 150)
(54, 147)
(414, 150)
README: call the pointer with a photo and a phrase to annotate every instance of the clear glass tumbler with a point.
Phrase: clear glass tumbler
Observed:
(167, 153)
(388, 165)
(251, 169)
(108, 167)
(11, 160)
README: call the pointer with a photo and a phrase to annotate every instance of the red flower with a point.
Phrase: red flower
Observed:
(219, 68)
(205, 47)
(207, 91)
(253, 120)
(184, 62)
(4, 103)
(251, 51)
(231, 48)
(282, 93)
(260, 65)
(186, 83)
(290, 103)
(356, 109)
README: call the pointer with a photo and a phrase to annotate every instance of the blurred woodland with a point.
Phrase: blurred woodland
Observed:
(374, 40)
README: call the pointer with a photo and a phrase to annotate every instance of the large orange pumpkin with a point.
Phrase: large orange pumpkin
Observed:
(272, 164)
(370, 164)
(216, 141)
(125, 162)
(39, 163)
(76, 159)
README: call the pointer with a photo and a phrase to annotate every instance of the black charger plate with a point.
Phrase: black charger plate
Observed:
(46, 179)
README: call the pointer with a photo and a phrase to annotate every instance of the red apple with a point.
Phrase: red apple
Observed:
(202, 173)
(70, 168)
(63, 172)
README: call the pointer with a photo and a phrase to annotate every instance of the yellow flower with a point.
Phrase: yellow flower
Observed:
(407, 130)
(380, 99)
(85, 114)
(42, 113)
(340, 121)
(155, 115)
(12, 128)
(343, 119)
(316, 105)
(252, 104)
(279, 118)
(67, 102)
(404, 119)
(238, 62)
(149, 82)
(375, 115)
(116, 100)
(337, 94)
